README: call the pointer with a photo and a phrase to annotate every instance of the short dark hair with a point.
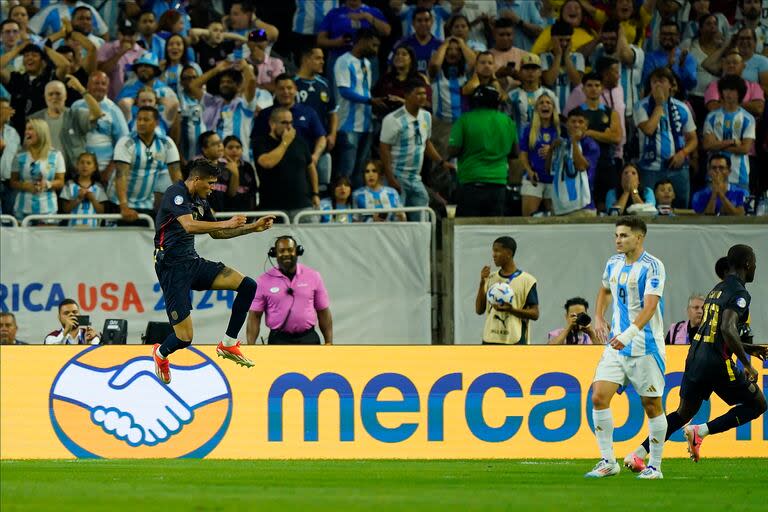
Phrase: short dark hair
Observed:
(577, 112)
(64, 49)
(634, 223)
(67, 302)
(277, 111)
(503, 23)
(235, 75)
(230, 138)
(421, 10)
(202, 140)
(576, 301)
(663, 72)
(561, 28)
(662, 182)
(592, 75)
(202, 168)
(145, 11)
(721, 267)
(410, 85)
(738, 256)
(719, 156)
(307, 51)
(245, 5)
(732, 83)
(669, 22)
(153, 110)
(507, 242)
(8, 21)
(612, 25)
(366, 33)
(282, 77)
(80, 8)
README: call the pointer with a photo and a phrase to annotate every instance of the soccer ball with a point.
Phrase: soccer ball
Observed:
(500, 294)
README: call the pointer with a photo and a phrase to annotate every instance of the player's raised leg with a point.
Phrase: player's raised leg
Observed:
(229, 279)
(602, 417)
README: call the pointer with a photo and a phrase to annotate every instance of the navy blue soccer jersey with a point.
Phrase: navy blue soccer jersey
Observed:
(170, 236)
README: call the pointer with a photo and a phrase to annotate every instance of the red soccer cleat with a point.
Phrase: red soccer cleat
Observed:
(691, 433)
(162, 366)
(233, 353)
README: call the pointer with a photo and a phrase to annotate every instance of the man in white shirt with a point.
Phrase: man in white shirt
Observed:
(71, 332)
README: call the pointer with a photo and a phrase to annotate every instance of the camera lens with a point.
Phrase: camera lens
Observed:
(583, 319)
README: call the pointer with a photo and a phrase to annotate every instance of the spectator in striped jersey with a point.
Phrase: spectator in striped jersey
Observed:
(341, 199)
(562, 67)
(84, 195)
(375, 195)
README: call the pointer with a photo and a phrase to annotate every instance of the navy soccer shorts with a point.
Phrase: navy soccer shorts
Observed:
(179, 279)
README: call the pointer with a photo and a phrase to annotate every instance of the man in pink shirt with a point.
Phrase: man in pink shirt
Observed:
(294, 299)
(115, 57)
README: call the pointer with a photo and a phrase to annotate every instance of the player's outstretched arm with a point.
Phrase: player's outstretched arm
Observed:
(730, 331)
(260, 224)
(200, 227)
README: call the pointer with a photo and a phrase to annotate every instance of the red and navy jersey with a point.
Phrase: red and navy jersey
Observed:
(729, 294)
(170, 236)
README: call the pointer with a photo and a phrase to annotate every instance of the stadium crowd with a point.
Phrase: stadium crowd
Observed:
(563, 107)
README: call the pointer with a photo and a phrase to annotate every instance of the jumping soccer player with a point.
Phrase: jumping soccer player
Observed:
(184, 213)
(634, 280)
(709, 367)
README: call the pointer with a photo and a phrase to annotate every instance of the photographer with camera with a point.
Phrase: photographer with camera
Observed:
(75, 328)
(578, 326)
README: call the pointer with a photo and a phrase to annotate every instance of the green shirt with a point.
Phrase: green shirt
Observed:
(486, 138)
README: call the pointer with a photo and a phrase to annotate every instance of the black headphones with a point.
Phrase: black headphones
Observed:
(272, 253)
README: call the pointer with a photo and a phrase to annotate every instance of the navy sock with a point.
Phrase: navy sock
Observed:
(172, 344)
(674, 423)
(245, 294)
(739, 415)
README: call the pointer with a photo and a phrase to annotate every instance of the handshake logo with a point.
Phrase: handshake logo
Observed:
(105, 406)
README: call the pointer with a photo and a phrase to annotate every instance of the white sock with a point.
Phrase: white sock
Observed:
(657, 431)
(603, 420)
(703, 430)
(229, 342)
(641, 452)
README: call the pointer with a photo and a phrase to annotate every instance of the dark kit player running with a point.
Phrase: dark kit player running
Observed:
(184, 213)
(710, 368)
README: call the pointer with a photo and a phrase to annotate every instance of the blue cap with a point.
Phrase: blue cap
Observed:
(148, 59)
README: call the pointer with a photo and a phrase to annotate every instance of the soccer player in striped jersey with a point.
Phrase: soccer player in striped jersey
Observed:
(147, 164)
(633, 285)
(84, 195)
(731, 130)
(709, 367)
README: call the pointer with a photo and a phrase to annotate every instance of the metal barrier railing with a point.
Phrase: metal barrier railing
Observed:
(84, 216)
(432, 218)
(277, 213)
(8, 219)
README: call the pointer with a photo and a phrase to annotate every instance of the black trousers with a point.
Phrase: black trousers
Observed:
(481, 200)
(308, 337)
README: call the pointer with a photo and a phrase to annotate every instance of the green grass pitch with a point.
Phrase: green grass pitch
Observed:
(391, 485)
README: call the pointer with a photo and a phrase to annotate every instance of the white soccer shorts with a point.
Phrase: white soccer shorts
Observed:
(643, 372)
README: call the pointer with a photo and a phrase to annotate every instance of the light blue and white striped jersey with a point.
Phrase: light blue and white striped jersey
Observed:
(149, 167)
(172, 76)
(738, 125)
(155, 46)
(356, 74)
(338, 218)
(192, 125)
(408, 136)
(446, 95)
(570, 187)
(309, 14)
(563, 86)
(523, 104)
(48, 21)
(630, 77)
(104, 134)
(71, 190)
(629, 284)
(29, 203)
(384, 197)
(656, 150)
(236, 119)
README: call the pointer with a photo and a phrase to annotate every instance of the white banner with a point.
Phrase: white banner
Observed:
(377, 276)
(568, 261)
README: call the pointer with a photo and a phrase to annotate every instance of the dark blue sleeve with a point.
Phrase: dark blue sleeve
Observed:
(315, 124)
(171, 203)
(737, 197)
(533, 297)
(699, 201)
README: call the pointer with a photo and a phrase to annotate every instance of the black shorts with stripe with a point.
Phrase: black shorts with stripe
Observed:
(178, 279)
(707, 372)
